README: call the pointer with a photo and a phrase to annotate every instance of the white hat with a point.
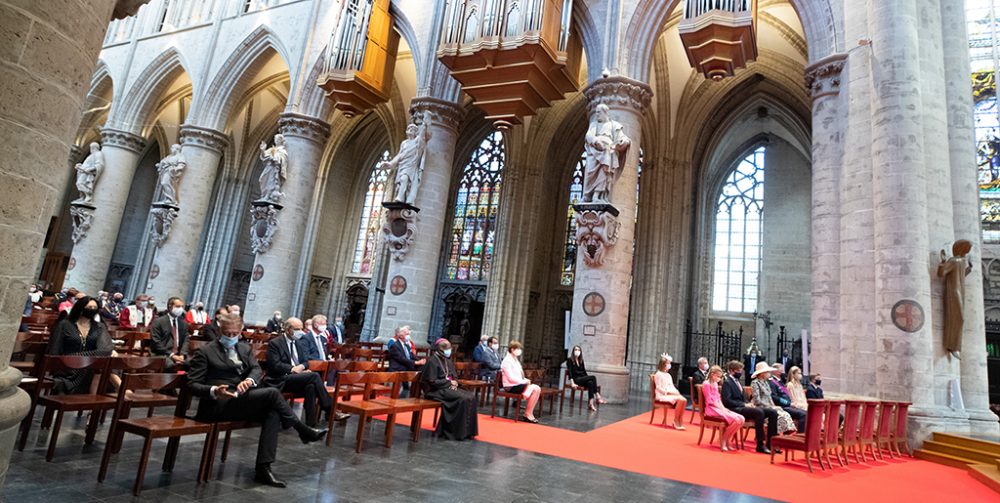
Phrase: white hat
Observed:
(760, 369)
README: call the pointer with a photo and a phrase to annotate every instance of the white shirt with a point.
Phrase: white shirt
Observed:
(513, 374)
(318, 339)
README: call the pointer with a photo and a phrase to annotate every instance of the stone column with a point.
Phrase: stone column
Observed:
(88, 265)
(412, 278)
(174, 262)
(47, 54)
(275, 271)
(823, 81)
(965, 200)
(601, 292)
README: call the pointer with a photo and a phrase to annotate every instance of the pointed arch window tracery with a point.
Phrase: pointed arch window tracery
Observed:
(370, 223)
(739, 237)
(474, 214)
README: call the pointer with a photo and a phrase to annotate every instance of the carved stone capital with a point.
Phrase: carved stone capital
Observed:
(303, 126)
(263, 226)
(596, 234)
(204, 138)
(444, 113)
(619, 92)
(399, 226)
(83, 217)
(823, 76)
(77, 153)
(122, 139)
(163, 220)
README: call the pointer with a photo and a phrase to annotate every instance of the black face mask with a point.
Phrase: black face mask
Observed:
(819, 382)
(88, 313)
(738, 375)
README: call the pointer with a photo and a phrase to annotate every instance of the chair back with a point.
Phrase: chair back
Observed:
(852, 413)
(885, 419)
(153, 382)
(695, 399)
(466, 370)
(652, 387)
(53, 364)
(868, 420)
(748, 391)
(362, 354)
(356, 366)
(902, 415)
(322, 367)
(373, 378)
(814, 423)
(338, 365)
(407, 376)
(700, 393)
(137, 364)
(831, 428)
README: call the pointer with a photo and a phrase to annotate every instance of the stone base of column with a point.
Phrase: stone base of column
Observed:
(613, 380)
(983, 422)
(926, 420)
(14, 405)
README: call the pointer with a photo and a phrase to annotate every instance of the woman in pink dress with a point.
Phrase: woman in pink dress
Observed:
(714, 408)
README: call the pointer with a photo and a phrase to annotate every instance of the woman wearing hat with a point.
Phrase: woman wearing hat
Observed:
(762, 397)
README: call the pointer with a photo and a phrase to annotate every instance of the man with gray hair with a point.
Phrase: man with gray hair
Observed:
(701, 373)
(317, 339)
(288, 370)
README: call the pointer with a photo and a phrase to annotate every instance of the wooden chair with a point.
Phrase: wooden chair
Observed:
(716, 424)
(499, 392)
(60, 404)
(883, 433)
(748, 425)
(154, 427)
(537, 376)
(899, 432)
(467, 373)
(664, 406)
(849, 439)
(809, 442)
(695, 401)
(414, 404)
(831, 432)
(866, 435)
(143, 399)
(573, 389)
(363, 355)
(365, 407)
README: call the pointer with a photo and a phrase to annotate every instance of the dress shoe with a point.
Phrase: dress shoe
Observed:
(264, 476)
(776, 450)
(307, 434)
(340, 416)
(764, 450)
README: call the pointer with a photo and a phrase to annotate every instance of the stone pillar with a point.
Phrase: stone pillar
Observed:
(965, 201)
(601, 292)
(174, 262)
(275, 271)
(823, 81)
(47, 54)
(88, 265)
(411, 279)
(902, 248)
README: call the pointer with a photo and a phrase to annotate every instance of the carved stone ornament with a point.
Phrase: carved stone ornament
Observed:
(303, 126)
(399, 227)
(204, 138)
(122, 139)
(83, 217)
(823, 77)
(618, 92)
(263, 226)
(442, 113)
(596, 233)
(163, 220)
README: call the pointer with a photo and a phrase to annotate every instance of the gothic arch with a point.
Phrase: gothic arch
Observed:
(96, 105)
(136, 108)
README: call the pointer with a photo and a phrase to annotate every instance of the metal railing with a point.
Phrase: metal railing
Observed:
(695, 8)
(471, 20)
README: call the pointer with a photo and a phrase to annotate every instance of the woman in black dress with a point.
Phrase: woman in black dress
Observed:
(578, 375)
(79, 334)
(439, 381)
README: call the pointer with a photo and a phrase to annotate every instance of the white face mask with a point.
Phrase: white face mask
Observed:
(320, 328)
(517, 352)
(177, 312)
(704, 368)
(495, 347)
(576, 354)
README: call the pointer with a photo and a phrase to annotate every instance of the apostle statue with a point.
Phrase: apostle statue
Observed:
(272, 178)
(606, 148)
(87, 173)
(170, 170)
(954, 270)
(409, 162)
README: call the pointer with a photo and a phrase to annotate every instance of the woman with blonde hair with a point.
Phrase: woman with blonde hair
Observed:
(515, 382)
(714, 408)
(666, 392)
(795, 390)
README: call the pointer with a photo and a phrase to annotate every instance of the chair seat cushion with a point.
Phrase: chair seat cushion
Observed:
(796, 441)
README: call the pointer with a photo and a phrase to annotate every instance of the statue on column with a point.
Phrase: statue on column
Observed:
(87, 173)
(170, 170)
(606, 148)
(275, 172)
(409, 161)
(954, 270)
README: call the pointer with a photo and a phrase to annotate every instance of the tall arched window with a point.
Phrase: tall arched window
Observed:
(370, 224)
(738, 237)
(475, 212)
(984, 39)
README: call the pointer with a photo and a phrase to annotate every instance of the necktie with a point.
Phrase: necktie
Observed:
(231, 352)
(173, 328)
(295, 354)
(319, 346)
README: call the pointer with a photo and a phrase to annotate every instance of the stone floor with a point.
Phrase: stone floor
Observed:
(433, 470)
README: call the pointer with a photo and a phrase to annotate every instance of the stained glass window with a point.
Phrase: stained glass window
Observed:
(738, 236)
(475, 212)
(371, 223)
(984, 34)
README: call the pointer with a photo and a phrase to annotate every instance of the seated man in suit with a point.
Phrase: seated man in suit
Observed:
(289, 372)
(317, 339)
(224, 376)
(210, 331)
(734, 399)
(781, 397)
(701, 373)
(274, 325)
(168, 336)
(813, 390)
(402, 356)
(488, 358)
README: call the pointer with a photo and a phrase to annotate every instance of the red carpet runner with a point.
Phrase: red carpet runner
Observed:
(636, 446)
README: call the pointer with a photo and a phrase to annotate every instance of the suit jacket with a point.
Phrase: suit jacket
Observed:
(272, 326)
(161, 337)
(278, 363)
(209, 331)
(698, 377)
(733, 397)
(748, 365)
(309, 346)
(778, 395)
(814, 392)
(211, 367)
(336, 335)
(398, 361)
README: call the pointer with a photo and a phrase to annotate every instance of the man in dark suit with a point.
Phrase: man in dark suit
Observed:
(224, 375)
(210, 331)
(813, 390)
(317, 339)
(168, 335)
(701, 373)
(401, 354)
(734, 399)
(781, 398)
(337, 334)
(289, 372)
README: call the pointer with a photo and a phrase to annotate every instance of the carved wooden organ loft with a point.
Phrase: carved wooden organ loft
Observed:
(512, 57)
(719, 36)
(357, 72)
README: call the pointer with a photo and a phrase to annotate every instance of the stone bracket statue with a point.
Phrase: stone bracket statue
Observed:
(170, 170)
(163, 220)
(263, 226)
(83, 217)
(399, 227)
(87, 174)
(275, 172)
(596, 233)
(954, 270)
(606, 147)
(409, 161)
